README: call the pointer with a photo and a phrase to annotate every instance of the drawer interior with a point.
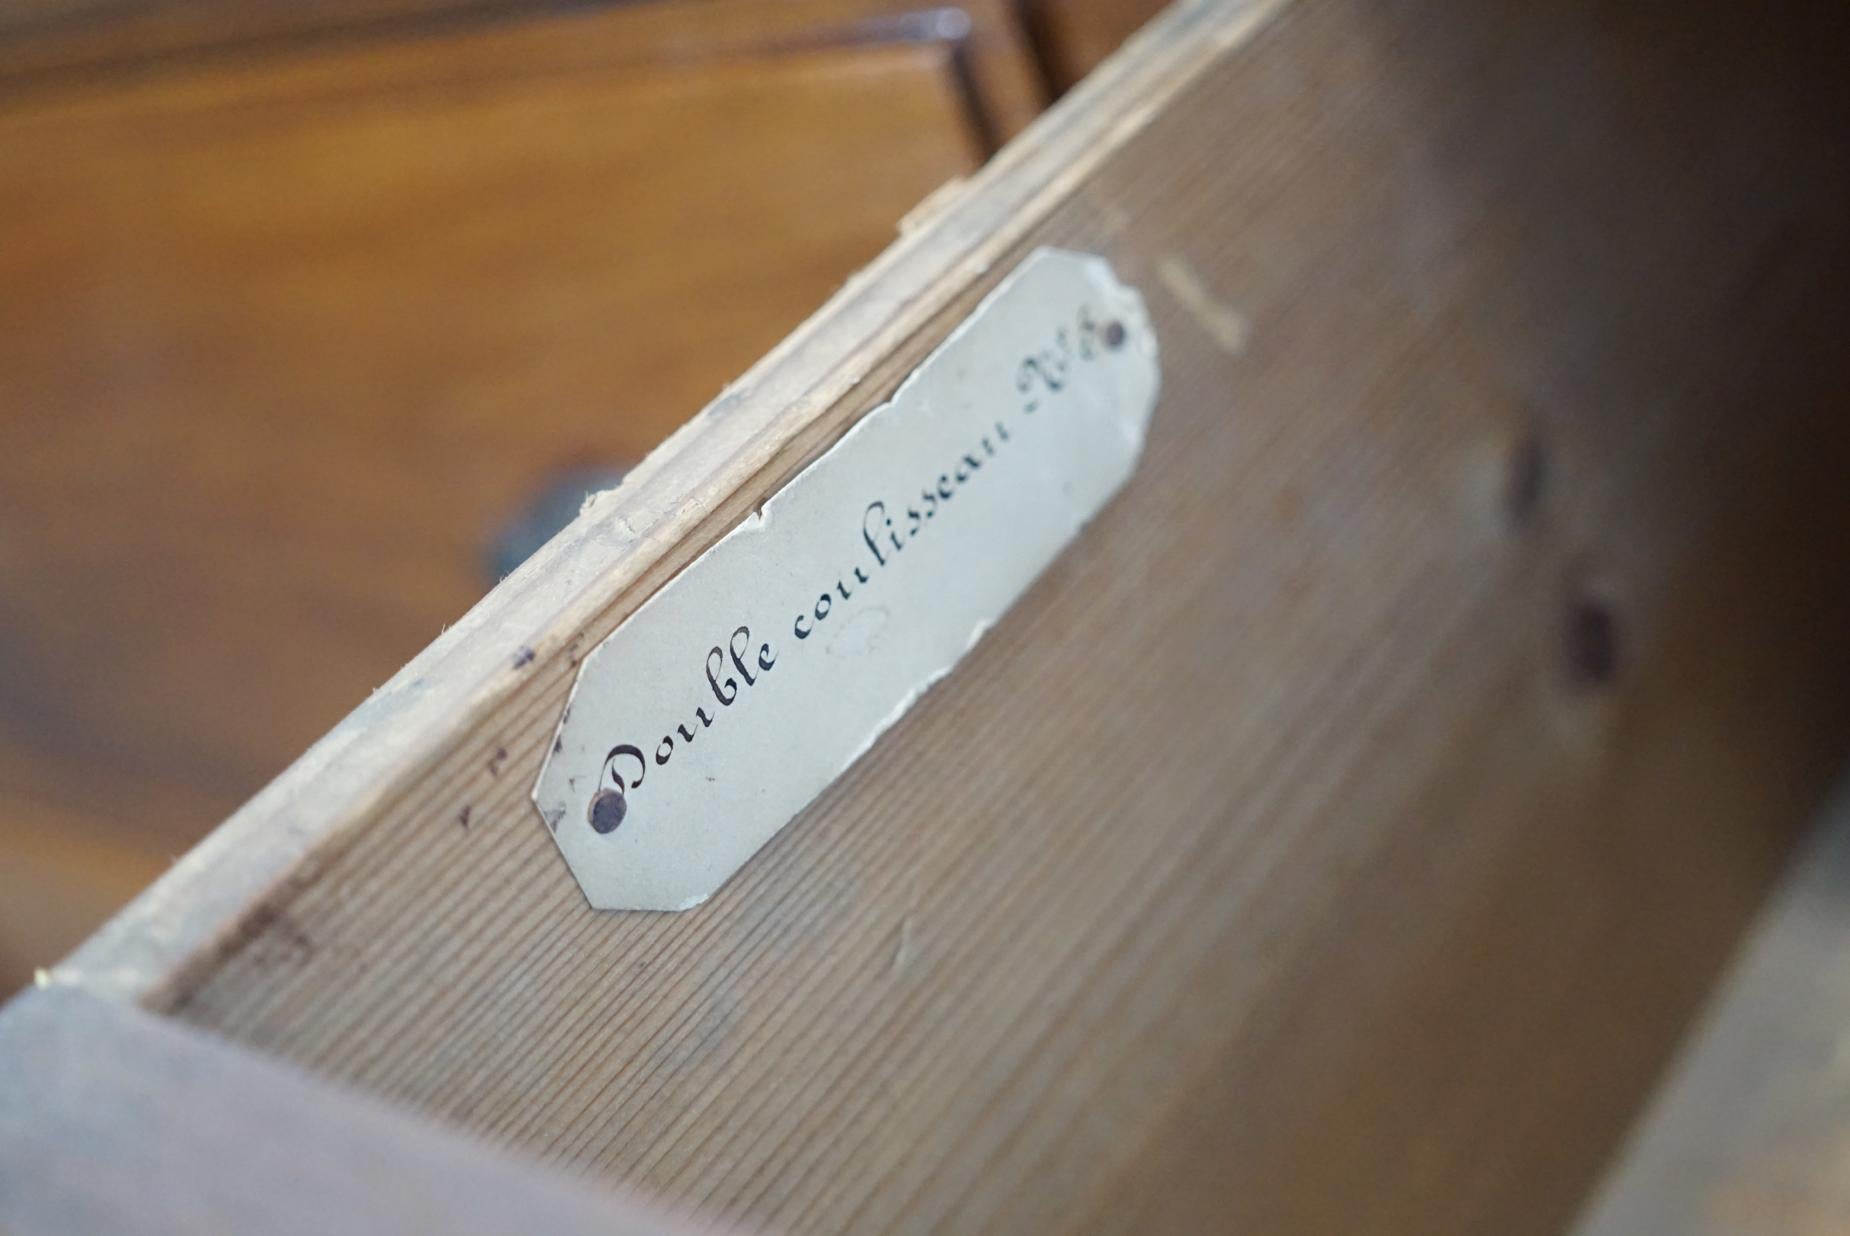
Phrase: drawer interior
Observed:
(1341, 835)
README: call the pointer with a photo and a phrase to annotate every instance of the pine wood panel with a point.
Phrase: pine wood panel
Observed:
(1337, 838)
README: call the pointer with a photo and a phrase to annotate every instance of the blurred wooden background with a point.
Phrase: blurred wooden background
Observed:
(314, 315)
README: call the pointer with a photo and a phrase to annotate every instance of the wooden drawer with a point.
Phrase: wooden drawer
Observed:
(290, 340)
(1339, 836)
(1075, 35)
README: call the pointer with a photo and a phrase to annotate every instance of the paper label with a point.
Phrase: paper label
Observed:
(757, 675)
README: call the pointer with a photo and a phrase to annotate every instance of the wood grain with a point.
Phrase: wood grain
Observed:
(1337, 838)
(55, 44)
(115, 1121)
(285, 344)
(1074, 36)
(279, 409)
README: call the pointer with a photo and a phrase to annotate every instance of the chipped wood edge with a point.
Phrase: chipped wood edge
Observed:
(627, 542)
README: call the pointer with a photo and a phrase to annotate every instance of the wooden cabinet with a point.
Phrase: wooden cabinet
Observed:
(1340, 835)
(1075, 35)
(297, 319)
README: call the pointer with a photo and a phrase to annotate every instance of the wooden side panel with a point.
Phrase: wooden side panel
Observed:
(113, 1121)
(1750, 1132)
(1338, 837)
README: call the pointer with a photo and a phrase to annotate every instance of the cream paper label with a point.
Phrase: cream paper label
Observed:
(756, 676)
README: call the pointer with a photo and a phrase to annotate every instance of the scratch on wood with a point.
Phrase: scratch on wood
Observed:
(276, 938)
(902, 947)
(1117, 220)
(1226, 326)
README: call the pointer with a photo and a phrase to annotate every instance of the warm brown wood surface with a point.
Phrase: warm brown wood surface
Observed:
(115, 1121)
(1075, 35)
(1338, 837)
(286, 342)
(1750, 1132)
(268, 406)
(54, 42)
(71, 855)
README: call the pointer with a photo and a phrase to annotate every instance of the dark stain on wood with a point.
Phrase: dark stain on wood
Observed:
(1591, 642)
(1528, 477)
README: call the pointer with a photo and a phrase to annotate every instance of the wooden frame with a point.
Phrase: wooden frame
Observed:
(1339, 836)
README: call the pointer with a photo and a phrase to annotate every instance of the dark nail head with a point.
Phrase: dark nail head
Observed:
(607, 811)
(1528, 475)
(1592, 643)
